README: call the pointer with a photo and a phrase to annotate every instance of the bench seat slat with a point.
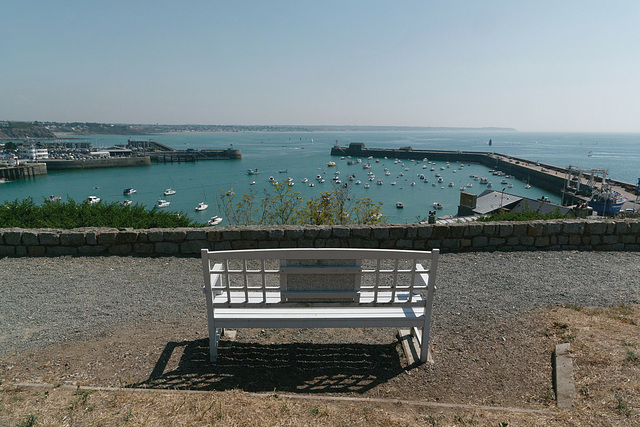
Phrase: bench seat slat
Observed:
(325, 317)
(257, 299)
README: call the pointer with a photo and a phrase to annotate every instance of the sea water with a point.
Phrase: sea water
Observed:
(299, 155)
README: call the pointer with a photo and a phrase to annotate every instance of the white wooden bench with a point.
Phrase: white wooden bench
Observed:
(319, 288)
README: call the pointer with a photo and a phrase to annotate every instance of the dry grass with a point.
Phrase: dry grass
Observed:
(605, 345)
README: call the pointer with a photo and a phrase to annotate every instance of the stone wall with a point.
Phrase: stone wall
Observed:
(604, 234)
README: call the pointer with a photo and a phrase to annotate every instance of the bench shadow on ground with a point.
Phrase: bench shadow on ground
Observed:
(292, 368)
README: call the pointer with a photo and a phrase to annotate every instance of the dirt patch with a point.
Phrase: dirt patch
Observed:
(505, 363)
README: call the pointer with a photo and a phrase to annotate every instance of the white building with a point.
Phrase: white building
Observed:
(33, 154)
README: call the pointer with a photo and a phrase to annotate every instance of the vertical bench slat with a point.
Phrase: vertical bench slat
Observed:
(263, 274)
(377, 281)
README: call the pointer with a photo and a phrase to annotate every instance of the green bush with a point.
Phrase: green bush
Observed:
(27, 214)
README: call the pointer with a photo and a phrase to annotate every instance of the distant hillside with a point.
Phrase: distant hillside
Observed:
(24, 130)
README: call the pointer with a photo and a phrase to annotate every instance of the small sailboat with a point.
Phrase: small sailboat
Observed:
(169, 192)
(202, 205)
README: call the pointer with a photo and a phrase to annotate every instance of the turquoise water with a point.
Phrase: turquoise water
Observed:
(305, 155)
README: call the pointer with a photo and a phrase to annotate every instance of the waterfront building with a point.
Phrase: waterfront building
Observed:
(32, 153)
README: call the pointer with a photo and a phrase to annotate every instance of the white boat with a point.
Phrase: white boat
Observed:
(358, 182)
(451, 184)
(331, 164)
(129, 191)
(53, 198)
(527, 186)
(379, 182)
(510, 185)
(304, 180)
(393, 183)
(437, 205)
(399, 205)
(484, 180)
(4, 180)
(202, 206)
(252, 183)
(252, 171)
(366, 186)
(92, 200)
(311, 184)
(504, 182)
(162, 203)
(169, 192)
(441, 179)
(125, 203)
(215, 220)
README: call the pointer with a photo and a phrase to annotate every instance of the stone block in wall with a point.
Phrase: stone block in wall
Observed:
(30, 238)
(628, 238)
(267, 244)
(440, 232)
(513, 241)
(61, 250)
(489, 229)
(72, 238)
(370, 244)
(354, 242)
(610, 240)
(107, 238)
(424, 232)
(595, 240)
(122, 250)
(49, 238)
(194, 246)
(175, 236)
(125, 237)
(474, 229)
(575, 240)
(496, 241)
(573, 227)
(404, 244)
(411, 231)
(396, 232)
(7, 250)
(594, 227)
(220, 246)
(341, 232)
(465, 243)
(433, 244)
(551, 228)
(336, 243)
(21, 251)
(635, 227)
(254, 235)
(505, 230)
(274, 234)
(196, 234)
(155, 236)
(541, 241)
(622, 227)
(305, 243)
(617, 247)
(380, 233)
(312, 233)
(91, 238)
(450, 243)
(632, 247)
(419, 244)
(563, 240)
(535, 229)
(456, 231)
(293, 234)
(361, 232)
(144, 248)
(36, 250)
(167, 248)
(520, 229)
(244, 244)
(143, 236)
(12, 237)
(480, 241)
(324, 233)
(214, 235)
(92, 250)
(388, 244)
(527, 240)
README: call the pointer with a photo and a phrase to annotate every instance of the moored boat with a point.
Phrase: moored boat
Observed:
(129, 191)
(606, 201)
(162, 203)
(215, 220)
(169, 192)
(201, 206)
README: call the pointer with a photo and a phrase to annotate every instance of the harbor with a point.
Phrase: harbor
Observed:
(573, 185)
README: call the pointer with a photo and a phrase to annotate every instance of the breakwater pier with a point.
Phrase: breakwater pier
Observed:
(548, 177)
(161, 153)
(11, 173)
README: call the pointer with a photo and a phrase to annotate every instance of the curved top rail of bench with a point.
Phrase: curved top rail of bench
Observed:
(321, 253)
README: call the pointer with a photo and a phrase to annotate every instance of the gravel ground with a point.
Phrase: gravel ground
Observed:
(45, 301)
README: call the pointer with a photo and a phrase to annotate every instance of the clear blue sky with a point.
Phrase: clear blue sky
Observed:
(532, 65)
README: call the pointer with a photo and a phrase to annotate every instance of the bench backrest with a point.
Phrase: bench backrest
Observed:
(319, 277)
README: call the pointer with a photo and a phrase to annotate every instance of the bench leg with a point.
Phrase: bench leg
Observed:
(214, 338)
